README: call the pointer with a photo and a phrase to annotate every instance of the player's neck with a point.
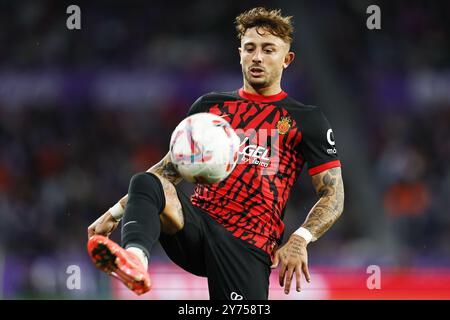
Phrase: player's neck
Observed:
(267, 91)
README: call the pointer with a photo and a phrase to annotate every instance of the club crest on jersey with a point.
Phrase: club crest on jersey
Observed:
(283, 125)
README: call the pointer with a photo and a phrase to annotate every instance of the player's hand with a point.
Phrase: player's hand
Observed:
(104, 225)
(294, 259)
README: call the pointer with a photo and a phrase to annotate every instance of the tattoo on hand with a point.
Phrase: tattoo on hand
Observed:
(295, 248)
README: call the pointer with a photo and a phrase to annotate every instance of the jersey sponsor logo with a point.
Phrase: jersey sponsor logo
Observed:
(257, 148)
(259, 153)
(254, 154)
(330, 139)
(284, 125)
(332, 151)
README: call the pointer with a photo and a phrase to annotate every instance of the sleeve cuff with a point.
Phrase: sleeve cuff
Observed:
(323, 167)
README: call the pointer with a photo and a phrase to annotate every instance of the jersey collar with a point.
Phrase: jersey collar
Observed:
(260, 98)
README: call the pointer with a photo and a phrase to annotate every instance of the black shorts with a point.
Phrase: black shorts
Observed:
(235, 269)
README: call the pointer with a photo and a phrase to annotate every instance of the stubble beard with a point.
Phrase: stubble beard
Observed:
(261, 83)
(257, 83)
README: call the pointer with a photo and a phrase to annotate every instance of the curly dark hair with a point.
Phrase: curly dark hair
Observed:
(270, 20)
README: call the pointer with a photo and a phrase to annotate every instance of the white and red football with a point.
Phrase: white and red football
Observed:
(204, 148)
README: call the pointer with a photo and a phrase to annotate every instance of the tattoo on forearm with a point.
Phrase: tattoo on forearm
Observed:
(323, 215)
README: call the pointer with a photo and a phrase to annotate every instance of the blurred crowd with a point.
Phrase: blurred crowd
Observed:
(82, 111)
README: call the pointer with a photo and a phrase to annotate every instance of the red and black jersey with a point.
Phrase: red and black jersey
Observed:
(279, 135)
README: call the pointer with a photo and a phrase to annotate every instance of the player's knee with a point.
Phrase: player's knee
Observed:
(149, 186)
(141, 180)
(163, 195)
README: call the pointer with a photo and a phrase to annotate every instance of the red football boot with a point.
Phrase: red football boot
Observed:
(111, 258)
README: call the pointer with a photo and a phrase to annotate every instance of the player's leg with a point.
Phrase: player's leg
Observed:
(178, 229)
(239, 276)
(153, 206)
(236, 270)
(185, 248)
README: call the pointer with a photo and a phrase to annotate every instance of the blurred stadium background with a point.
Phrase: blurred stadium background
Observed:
(82, 111)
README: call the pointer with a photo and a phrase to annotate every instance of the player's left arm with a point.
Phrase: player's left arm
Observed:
(293, 255)
(319, 150)
(330, 189)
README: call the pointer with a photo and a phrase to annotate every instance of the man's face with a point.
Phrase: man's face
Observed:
(263, 57)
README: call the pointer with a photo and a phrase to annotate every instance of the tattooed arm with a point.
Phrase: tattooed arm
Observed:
(106, 223)
(326, 211)
(293, 255)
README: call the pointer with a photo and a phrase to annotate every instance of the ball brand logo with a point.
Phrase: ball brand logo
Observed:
(283, 125)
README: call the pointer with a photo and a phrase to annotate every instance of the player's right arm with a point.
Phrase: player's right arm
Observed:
(106, 223)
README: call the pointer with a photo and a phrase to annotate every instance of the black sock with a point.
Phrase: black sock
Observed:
(141, 226)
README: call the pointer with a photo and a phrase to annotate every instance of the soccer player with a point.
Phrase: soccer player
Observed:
(230, 232)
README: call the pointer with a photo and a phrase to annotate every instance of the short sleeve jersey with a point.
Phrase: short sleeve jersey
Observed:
(278, 137)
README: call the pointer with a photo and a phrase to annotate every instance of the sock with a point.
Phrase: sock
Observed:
(141, 226)
(140, 254)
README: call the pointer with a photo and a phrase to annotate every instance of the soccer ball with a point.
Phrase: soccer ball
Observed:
(204, 148)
